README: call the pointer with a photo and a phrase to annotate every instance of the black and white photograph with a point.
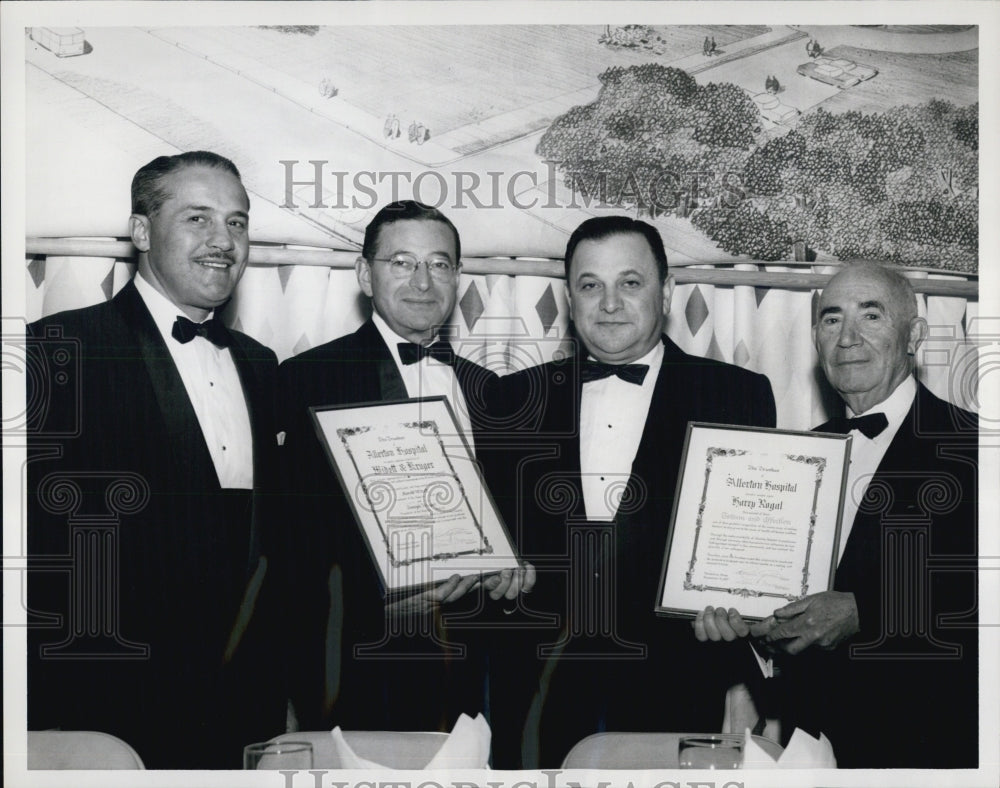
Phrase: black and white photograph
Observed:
(351, 355)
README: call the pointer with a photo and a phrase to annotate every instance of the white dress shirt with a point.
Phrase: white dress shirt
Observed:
(612, 419)
(213, 386)
(867, 453)
(428, 378)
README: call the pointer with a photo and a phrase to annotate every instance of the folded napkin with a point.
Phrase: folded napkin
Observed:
(467, 747)
(803, 752)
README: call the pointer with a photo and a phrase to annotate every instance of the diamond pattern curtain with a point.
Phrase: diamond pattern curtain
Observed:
(509, 323)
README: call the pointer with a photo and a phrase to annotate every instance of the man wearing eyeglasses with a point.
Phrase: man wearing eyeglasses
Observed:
(409, 267)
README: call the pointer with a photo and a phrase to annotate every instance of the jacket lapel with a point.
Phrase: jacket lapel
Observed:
(476, 384)
(555, 419)
(179, 419)
(263, 434)
(259, 410)
(663, 429)
(866, 528)
(390, 382)
(465, 373)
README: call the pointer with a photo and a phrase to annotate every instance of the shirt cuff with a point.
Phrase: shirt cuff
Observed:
(766, 665)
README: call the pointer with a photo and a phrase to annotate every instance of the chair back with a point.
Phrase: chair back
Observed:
(392, 749)
(80, 750)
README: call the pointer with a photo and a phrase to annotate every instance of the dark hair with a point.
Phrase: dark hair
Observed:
(399, 211)
(601, 227)
(148, 193)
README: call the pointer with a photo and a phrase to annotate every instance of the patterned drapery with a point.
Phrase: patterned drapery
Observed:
(511, 322)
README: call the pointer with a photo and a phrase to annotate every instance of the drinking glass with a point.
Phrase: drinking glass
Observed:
(715, 751)
(278, 755)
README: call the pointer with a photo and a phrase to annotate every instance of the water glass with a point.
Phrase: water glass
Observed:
(715, 751)
(278, 755)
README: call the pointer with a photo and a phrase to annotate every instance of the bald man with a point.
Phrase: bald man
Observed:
(885, 663)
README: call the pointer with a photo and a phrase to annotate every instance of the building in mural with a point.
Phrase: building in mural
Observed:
(758, 148)
(842, 141)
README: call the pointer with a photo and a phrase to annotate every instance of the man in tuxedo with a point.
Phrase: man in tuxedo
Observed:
(885, 663)
(154, 435)
(587, 483)
(369, 662)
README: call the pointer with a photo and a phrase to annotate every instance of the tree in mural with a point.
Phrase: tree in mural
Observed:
(899, 186)
(306, 30)
(649, 124)
(762, 237)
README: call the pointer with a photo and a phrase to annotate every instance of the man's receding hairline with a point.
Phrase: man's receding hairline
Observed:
(898, 288)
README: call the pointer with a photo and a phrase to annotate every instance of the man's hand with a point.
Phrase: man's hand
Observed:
(716, 623)
(508, 583)
(505, 583)
(455, 587)
(824, 620)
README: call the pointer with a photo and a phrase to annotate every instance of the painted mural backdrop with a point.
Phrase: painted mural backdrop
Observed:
(753, 141)
(764, 146)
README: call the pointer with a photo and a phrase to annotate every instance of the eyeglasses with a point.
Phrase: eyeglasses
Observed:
(403, 266)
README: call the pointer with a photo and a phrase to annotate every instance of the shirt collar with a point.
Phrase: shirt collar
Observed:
(896, 405)
(391, 338)
(653, 359)
(163, 310)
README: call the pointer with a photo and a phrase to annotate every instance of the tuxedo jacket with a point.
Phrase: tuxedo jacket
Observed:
(633, 676)
(170, 635)
(534, 456)
(903, 692)
(355, 668)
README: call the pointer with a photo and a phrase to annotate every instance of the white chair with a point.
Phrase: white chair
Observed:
(636, 751)
(79, 750)
(393, 749)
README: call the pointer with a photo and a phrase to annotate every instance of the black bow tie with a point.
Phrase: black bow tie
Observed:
(870, 425)
(185, 330)
(597, 370)
(410, 353)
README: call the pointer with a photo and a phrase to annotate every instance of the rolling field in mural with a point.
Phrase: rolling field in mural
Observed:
(766, 142)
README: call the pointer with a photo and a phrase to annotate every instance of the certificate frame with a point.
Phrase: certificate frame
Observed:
(415, 490)
(775, 539)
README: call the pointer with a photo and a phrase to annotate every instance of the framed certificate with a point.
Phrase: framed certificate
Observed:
(756, 519)
(415, 490)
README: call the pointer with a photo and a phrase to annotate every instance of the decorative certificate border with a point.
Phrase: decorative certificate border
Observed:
(460, 492)
(378, 506)
(773, 542)
(711, 454)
